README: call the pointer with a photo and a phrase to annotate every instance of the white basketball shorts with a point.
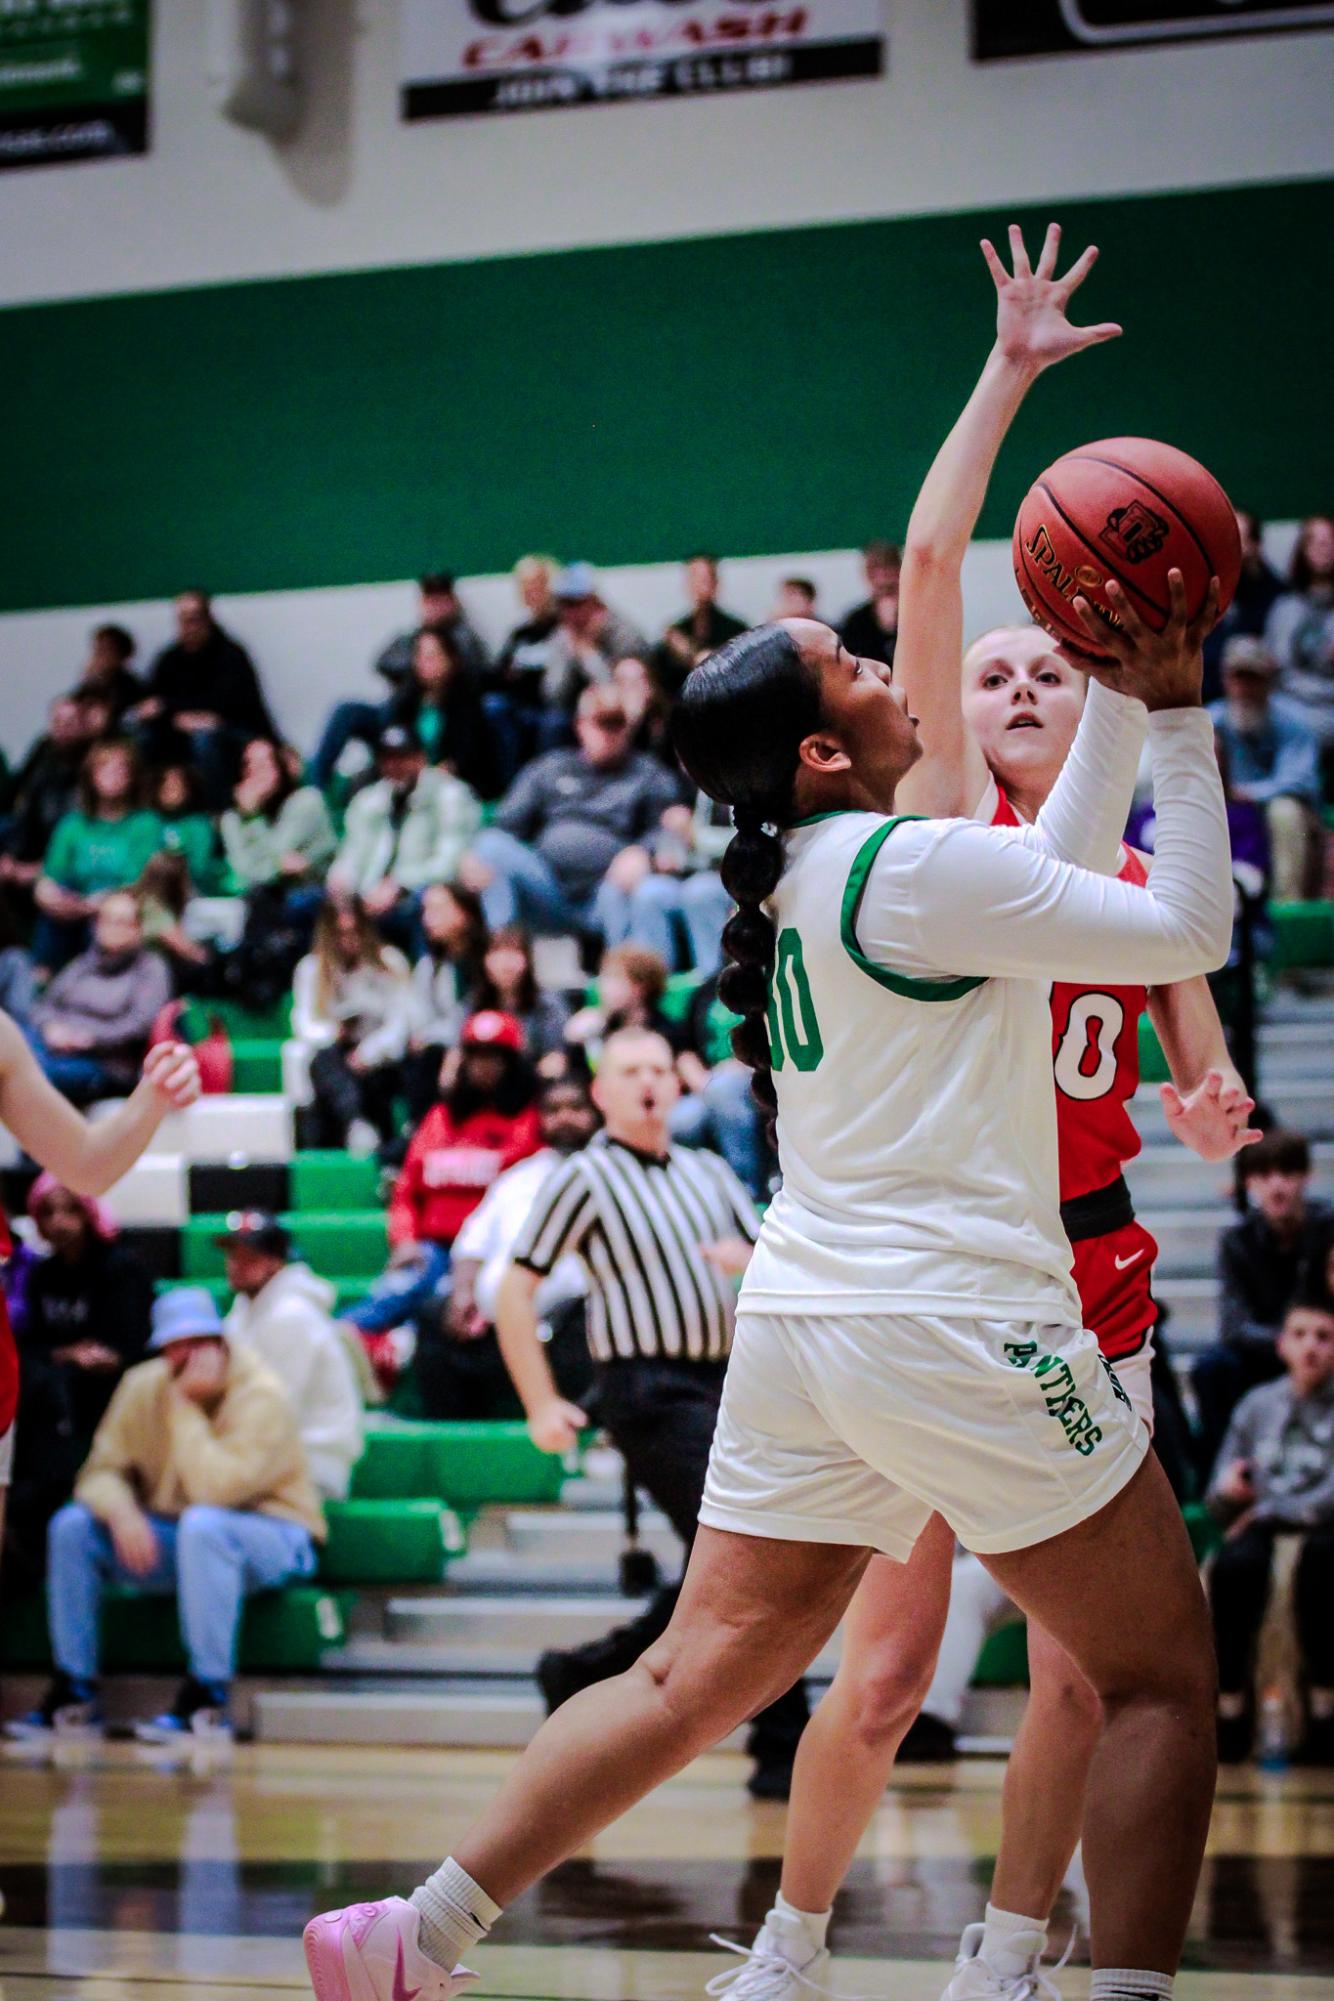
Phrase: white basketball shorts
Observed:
(856, 1429)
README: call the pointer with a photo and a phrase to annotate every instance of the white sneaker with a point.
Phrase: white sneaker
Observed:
(767, 1973)
(975, 1979)
(369, 1952)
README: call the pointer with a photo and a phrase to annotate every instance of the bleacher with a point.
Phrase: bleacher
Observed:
(462, 1551)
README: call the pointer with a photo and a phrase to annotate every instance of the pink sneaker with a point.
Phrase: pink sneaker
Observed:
(369, 1952)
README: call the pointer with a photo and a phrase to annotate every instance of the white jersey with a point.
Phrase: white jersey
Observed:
(911, 1037)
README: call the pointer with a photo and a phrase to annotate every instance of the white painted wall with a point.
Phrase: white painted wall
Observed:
(315, 647)
(358, 189)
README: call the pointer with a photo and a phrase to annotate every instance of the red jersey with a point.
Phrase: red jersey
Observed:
(449, 1168)
(1095, 1057)
(9, 1359)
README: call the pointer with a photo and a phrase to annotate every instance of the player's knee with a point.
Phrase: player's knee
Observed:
(1070, 1701)
(887, 1698)
(1183, 1678)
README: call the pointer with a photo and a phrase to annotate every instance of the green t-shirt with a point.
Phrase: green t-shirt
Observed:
(193, 835)
(90, 856)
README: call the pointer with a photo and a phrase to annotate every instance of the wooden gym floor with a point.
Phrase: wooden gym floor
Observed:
(130, 1877)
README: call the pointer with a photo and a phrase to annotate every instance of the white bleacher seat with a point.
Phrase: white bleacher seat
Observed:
(154, 1192)
(228, 1127)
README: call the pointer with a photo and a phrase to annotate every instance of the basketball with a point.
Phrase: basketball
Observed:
(1128, 508)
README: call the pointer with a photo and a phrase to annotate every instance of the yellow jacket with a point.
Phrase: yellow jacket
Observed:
(165, 1454)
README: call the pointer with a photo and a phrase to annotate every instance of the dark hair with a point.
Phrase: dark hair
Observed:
(477, 935)
(883, 552)
(488, 995)
(737, 727)
(1254, 525)
(436, 584)
(118, 638)
(444, 639)
(287, 783)
(1300, 574)
(802, 584)
(514, 1092)
(194, 786)
(1279, 1152)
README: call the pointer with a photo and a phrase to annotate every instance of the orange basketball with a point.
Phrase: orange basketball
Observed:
(1128, 508)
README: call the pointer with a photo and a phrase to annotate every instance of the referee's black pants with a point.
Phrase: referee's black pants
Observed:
(660, 1415)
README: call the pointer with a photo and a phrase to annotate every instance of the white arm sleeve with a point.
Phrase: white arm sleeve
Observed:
(1085, 815)
(958, 898)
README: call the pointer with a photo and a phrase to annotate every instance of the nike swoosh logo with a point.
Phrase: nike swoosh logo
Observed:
(1120, 1264)
(400, 1991)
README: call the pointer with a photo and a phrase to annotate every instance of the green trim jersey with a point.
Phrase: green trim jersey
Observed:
(910, 1033)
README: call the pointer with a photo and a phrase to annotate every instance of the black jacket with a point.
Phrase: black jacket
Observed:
(1259, 1275)
(220, 677)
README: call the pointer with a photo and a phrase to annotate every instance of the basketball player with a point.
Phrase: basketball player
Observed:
(910, 1339)
(996, 757)
(87, 1158)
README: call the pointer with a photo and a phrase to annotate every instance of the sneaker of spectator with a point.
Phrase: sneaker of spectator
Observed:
(351, 1013)
(103, 844)
(589, 639)
(440, 704)
(701, 629)
(1273, 761)
(281, 1311)
(445, 981)
(204, 699)
(1300, 628)
(1258, 586)
(91, 1026)
(870, 630)
(796, 599)
(1261, 1260)
(107, 674)
(410, 828)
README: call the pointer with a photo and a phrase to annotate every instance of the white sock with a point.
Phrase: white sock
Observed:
(801, 1933)
(1127, 1983)
(455, 1913)
(1010, 1942)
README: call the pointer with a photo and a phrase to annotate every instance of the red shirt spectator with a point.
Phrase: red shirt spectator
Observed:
(485, 1122)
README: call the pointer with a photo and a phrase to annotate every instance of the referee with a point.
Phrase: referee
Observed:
(663, 1232)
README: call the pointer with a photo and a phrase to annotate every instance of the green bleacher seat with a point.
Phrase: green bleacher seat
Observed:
(390, 1542)
(286, 1631)
(257, 1064)
(1153, 1068)
(332, 1180)
(338, 1244)
(273, 1024)
(1303, 935)
(1003, 1661)
(469, 1465)
(1204, 1531)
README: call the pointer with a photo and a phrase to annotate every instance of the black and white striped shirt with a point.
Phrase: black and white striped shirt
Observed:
(637, 1220)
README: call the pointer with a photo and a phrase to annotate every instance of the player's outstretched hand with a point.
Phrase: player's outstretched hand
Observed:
(1165, 670)
(1212, 1119)
(1031, 324)
(173, 1071)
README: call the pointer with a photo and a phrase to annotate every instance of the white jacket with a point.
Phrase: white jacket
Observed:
(493, 1229)
(289, 1326)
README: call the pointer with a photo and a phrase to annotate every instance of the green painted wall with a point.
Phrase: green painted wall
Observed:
(759, 393)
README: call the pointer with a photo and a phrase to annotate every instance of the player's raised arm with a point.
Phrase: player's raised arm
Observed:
(89, 1158)
(1032, 333)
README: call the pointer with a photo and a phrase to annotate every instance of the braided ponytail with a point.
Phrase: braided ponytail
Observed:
(738, 728)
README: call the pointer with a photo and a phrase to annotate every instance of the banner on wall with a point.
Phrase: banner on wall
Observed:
(1052, 27)
(73, 80)
(468, 56)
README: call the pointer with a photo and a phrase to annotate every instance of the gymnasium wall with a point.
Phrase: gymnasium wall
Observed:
(300, 374)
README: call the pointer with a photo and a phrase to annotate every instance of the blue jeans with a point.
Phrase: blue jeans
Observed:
(77, 1076)
(663, 905)
(401, 1291)
(211, 1558)
(349, 722)
(725, 1116)
(524, 890)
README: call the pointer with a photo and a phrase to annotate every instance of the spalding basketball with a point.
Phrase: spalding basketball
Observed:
(1127, 508)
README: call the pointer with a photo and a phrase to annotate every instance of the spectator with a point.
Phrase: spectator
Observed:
(86, 1321)
(18, 983)
(1300, 628)
(589, 639)
(570, 846)
(483, 1122)
(411, 827)
(440, 706)
(445, 980)
(646, 710)
(438, 605)
(523, 659)
(1275, 1477)
(1272, 760)
(796, 599)
(281, 1311)
(102, 845)
(509, 986)
(1260, 1260)
(276, 833)
(107, 675)
(196, 1485)
(1257, 588)
(164, 896)
(46, 787)
(351, 1012)
(93, 1022)
(459, 1368)
(700, 630)
(184, 828)
(871, 629)
(203, 688)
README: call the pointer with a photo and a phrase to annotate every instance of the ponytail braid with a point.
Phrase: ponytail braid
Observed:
(750, 871)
